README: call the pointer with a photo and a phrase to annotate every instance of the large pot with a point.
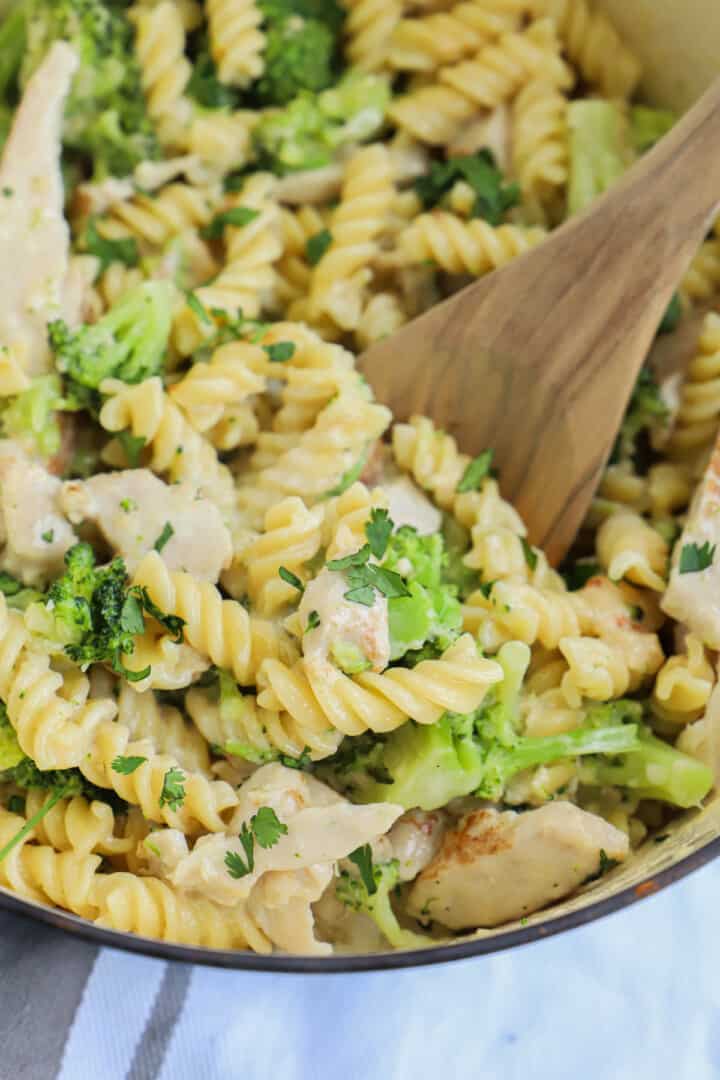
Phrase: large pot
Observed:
(679, 44)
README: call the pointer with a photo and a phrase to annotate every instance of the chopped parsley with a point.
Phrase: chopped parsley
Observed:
(266, 828)
(476, 472)
(317, 245)
(238, 217)
(165, 535)
(378, 531)
(291, 579)
(124, 250)
(492, 195)
(486, 587)
(197, 308)
(173, 789)
(127, 765)
(365, 578)
(313, 621)
(531, 556)
(172, 623)
(127, 505)
(280, 351)
(694, 558)
(362, 857)
(48, 536)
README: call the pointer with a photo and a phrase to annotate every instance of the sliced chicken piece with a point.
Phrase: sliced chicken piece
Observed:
(33, 231)
(36, 533)
(135, 510)
(496, 867)
(408, 505)
(693, 597)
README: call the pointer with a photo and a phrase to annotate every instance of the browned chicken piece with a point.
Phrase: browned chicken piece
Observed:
(32, 223)
(136, 511)
(496, 867)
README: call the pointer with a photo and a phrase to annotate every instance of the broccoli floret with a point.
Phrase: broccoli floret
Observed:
(10, 753)
(647, 126)
(106, 118)
(298, 57)
(457, 545)
(431, 614)
(128, 343)
(31, 416)
(92, 613)
(646, 410)
(309, 130)
(600, 150)
(372, 897)
(654, 771)
(234, 706)
(17, 595)
(427, 765)
(12, 48)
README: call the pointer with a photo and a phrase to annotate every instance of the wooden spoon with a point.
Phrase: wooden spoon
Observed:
(538, 359)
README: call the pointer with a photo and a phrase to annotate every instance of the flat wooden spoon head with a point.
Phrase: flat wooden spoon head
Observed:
(538, 360)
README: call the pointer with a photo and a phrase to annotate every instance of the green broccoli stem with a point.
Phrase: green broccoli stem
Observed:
(12, 46)
(599, 150)
(654, 771)
(32, 822)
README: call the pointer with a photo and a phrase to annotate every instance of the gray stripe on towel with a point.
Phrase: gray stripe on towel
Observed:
(43, 973)
(150, 1053)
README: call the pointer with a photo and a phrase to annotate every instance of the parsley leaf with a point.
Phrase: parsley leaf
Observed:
(173, 789)
(124, 250)
(132, 446)
(317, 245)
(48, 536)
(363, 594)
(131, 616)
(291, 579)
(362, 857)
(236, 866)
(476, 472)
(531, 557)
(694, 558)
(167, 532)
(280, 351)
(172, 623)
(378, 531)
(127, 765)
(492, 195)
(197, 308)
(237, 216)
(486, 587)
(267, 827)
(313, 621)
(358, 558)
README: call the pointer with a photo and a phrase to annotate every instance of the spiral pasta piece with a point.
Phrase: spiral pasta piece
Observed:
(155, 909)
(339, 278)
(683, 685)
(702, 279)
(316, 697)
(236, 40)
(600, 669)
(368, 28)
(515, 611)
(431, 456)
(166, 71)
(435, 113)
(220, 629)
(53, 730)
(593, 44)
(222, 141)
(209, 392)
(698, 416)
(627, 547)
(204, 803)
(175, 448)
(163, 727)
(291, 537)
(155, 219)
(465, 247)
(262, 732)
(540, 152)
(77, 825)
(427, 42)
(320, 458)
(383, 314)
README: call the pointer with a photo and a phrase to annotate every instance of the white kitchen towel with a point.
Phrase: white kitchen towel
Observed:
(635, 996)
